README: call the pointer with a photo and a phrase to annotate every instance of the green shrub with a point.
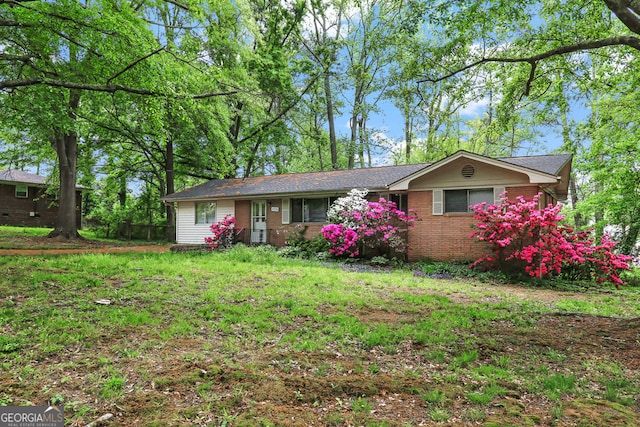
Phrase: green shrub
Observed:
(298, 246)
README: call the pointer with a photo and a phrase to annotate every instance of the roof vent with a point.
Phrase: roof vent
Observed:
(468, 171)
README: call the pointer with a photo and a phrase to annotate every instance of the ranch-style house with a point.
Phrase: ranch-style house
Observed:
(269, 208)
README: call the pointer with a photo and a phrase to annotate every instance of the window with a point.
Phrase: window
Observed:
(205, 212)
(401, 202)
(460, 200)
(22, 191)
(310, 210)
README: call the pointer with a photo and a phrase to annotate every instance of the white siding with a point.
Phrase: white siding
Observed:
(187, 231)
(224, 208)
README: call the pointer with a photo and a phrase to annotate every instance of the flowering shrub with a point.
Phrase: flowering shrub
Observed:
(224, 233)
(357, 224)
(525, 238)
(343, 240)
(345, 209)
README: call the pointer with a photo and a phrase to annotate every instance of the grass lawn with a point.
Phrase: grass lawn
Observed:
(36, 238)
(247, 338)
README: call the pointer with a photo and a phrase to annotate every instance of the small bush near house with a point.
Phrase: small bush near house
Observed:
(224, 233)
(524, 238)
(631, 277)
(298, 246)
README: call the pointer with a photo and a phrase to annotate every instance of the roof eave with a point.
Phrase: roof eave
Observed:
(535, 177)
(297, 194)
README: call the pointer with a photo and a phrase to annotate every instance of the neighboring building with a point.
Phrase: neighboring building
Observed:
(269, 208)
(24, 201)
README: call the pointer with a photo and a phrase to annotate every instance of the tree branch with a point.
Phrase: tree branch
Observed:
(109, 88)
(5, 23)
(627, 12)
(16, 1)
(630, 41)
(178, 4)
(133, 64)
(284, 111)
(10, 57)
(49, 14)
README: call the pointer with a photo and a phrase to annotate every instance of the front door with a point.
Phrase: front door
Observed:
(259, 221)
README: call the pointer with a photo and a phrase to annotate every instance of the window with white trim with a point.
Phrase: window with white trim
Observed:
(22, 191)
(205, 212)
(460, 201)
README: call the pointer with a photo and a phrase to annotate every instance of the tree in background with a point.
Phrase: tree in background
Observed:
(57, 59)
(180, 92)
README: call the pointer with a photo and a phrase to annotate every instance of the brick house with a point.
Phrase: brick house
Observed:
(25, 202)
(269, 208)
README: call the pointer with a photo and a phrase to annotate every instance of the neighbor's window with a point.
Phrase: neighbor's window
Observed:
(205, 212)
(460, 200)
(310, 210)
(22, 191)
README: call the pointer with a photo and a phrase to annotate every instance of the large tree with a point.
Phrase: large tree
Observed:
(58, 57)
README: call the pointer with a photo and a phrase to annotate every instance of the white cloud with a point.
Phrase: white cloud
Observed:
(475, 108)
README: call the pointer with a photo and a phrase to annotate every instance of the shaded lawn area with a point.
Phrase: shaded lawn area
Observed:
(249, 338)
(29, 238)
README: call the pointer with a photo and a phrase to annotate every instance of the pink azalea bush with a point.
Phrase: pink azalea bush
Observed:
(523, 237)
(224, 233)
(356, 223)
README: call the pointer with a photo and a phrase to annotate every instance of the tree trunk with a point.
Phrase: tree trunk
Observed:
(351, 151)
(331, 120)
(630, 238)
(170, 176)
(362, 142)
(122, 194)
(234, 133)
(66, 145)
(573, 189)
(408, 135)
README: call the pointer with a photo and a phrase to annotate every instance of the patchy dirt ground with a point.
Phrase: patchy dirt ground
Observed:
(204, 381)
(197, 381)
(45, 245)
(269, 387)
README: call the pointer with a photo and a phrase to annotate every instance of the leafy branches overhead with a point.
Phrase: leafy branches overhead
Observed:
(532, 35)
(534, 59)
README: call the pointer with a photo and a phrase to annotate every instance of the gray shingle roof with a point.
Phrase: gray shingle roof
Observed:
(340, 181)
(291, 183)
(547, 163)
(22, 177)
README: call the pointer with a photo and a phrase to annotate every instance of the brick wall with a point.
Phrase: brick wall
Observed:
(527, 192)
(278, 233)
(438, 237)
(243, 214)
(17, 211)
(447, 237)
